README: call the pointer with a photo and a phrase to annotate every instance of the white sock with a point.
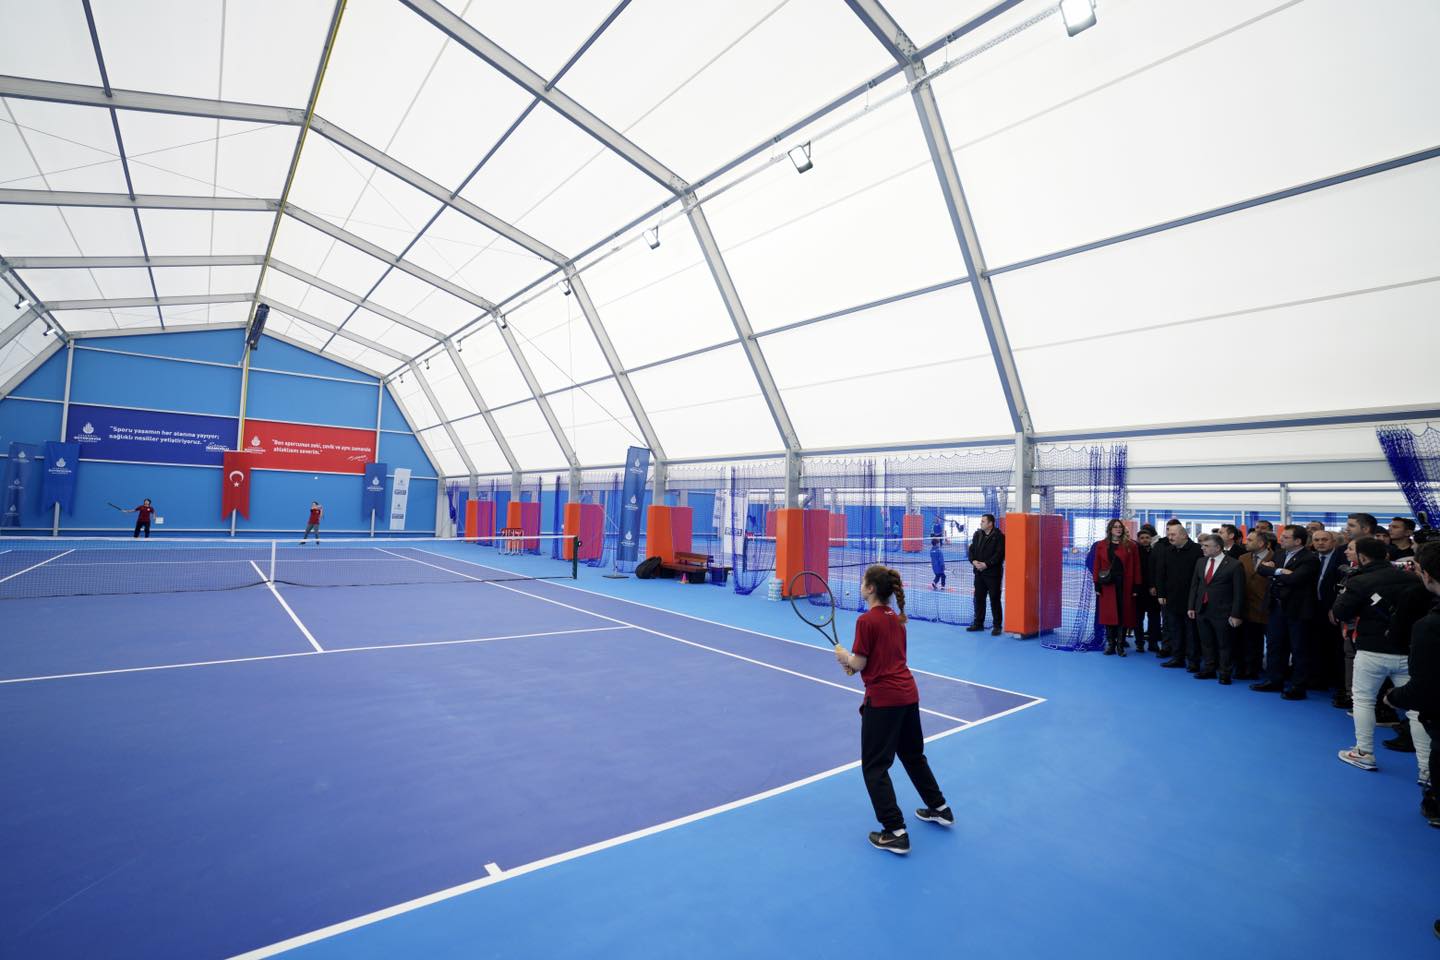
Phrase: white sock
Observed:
(942, 808)
(899, 833)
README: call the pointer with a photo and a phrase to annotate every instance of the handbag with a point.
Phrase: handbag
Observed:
(1116, 573)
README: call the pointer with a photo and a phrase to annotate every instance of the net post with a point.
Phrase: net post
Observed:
(574, 558)
(272, 560)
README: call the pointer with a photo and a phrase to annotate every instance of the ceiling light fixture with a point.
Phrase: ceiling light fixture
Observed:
(652, 236)
(1079, 15)
(565, 287)
(800, 156)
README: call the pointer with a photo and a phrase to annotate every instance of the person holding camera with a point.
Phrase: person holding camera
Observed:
(1420, 697)
(1385, 603)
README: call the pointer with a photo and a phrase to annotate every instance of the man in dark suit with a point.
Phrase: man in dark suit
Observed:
(1230, 536)
(1217, 603)
(1147, 606)
(987, 557)
(1323, 633)
(1293, 572)
(1174, 569)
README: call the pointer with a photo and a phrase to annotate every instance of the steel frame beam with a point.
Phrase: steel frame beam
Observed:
(120, 303)
(479, 400)
(145, 201)
(35, 363)
(710, 249)
(449, 430)
(105, 263)
(354, 298)
(537, 86)
(18, 326)
(508, 336)
(328, 327)
(617, 369)
(26, 88)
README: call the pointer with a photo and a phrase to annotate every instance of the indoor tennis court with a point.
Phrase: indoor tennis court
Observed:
(776, 478)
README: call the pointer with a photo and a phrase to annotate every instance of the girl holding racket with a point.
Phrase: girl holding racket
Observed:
(890, 713)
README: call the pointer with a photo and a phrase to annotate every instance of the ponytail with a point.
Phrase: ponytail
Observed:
(887, 584)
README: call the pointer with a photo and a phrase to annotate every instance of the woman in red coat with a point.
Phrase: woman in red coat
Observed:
(1116, 572)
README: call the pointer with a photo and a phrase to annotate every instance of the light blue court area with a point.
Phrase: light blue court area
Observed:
(650, 769)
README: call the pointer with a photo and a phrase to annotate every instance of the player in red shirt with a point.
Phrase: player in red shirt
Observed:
(314, 523)
(142, 522)
(890, 713)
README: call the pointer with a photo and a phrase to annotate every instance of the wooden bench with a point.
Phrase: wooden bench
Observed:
(697, 567)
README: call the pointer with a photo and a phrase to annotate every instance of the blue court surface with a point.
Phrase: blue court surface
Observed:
(650, 769)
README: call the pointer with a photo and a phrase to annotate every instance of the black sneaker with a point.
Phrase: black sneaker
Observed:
(946, 817)
(885, 840)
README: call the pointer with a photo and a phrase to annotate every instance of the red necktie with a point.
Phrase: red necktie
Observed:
(1210, 570)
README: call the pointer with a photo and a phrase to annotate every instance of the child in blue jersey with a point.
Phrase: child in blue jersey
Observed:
(937, 564)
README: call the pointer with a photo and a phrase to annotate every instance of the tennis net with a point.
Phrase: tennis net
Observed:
(32, 567)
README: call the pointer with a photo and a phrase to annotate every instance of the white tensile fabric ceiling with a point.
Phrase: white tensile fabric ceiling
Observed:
(1175, 208)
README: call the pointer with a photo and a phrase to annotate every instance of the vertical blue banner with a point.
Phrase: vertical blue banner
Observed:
(373, 497)
(61, 462)
(20, 470)
(632, 497)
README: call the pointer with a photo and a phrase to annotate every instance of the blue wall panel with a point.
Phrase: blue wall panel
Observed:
(390, 416)
(46, 383)
(403, 450)
(189, 497)
(29, 421)
(277, 355)
(277, 396)
(123, 381)
(216, 346)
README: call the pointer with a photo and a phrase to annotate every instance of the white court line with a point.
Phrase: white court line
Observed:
(667, 636)
(33, 566)
(308, 653)
(355, 923)
(303, 629)
(717, 623)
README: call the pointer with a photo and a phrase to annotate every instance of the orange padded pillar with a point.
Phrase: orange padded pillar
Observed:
(912, 531)
(659, 537)
(1032, 573)
(789, 545)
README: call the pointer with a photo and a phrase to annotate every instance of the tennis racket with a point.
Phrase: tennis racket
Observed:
(816, 606)
(116, 506)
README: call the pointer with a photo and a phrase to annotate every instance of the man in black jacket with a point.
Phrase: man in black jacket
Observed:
(987, 557)
(1147, 606)
(1292, 572)
(1323, 633)
(1385, 603)
(1421, 696)
(1217, 604)
(1174, 569)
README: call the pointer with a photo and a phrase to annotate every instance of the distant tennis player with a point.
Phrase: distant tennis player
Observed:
(142, 522)
(890, 713)
(937, 564)
(313, 525)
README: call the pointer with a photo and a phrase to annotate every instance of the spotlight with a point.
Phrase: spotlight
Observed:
(1079, 15)
(21, 303)
(505, 324)
(652, 236)
(427, 363)
(565, 287)
(460, 345)
(800, 156)
(402, 378)
(45, 332)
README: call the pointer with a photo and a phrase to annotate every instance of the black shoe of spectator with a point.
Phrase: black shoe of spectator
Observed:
(1173, 662)
(975, 628)
(996, 631)
(1203, 675)
(1224, 681)
(1162, 652)
(1403, 743)
(1340, 702)
(1109, 648)
(1294, 693)
(1386, 716)
(1268, 686)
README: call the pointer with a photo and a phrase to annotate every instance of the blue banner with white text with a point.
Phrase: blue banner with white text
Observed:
(61, 461)
(20, 481)
(374, 495)
(632, 498)
(150, 436)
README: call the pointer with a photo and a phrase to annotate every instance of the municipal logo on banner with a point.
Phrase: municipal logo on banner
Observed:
(21, 484)
(58, 485)
(637, 465)
(372, 497)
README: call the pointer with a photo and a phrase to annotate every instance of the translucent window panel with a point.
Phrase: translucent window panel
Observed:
(176, 281)
(493, 369)
(480, 444)
(1217, 383)
(364, 358)
(575, 189)
(21, 351)
(352, 193)
(227, 313)
(181, 232)
(312, 300)
(1256, 446)
(27, 231)
(85, 320)
(708, 405)
(54, 44)
(190, 314)
(867, 221)
(929, 376)
(418, 300)
(542, 36)
(449, 462)
(412, 397)
(530, 437)
(306, 248)
(160, 46)
(556, 340)
(659, 303)
(1252, 112)
(73, 147)
(291, 56)
(60, 285)
(459, 249)
(389, 334)
(1365, 233)
(450, 391)
(597, 422)
(680, 105)
(101, 231)
(203, 157)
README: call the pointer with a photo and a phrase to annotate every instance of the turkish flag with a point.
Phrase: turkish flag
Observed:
(235, 485)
